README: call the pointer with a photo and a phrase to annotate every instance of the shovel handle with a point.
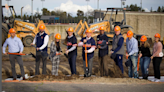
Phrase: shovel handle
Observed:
(138, 64)
(86, 62)
(16, 54)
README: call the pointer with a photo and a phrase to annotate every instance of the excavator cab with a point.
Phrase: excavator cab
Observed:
(114, 22)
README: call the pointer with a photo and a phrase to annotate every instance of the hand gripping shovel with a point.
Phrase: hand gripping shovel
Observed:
(86, 64)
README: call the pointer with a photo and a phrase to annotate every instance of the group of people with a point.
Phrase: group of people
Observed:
(89, 45)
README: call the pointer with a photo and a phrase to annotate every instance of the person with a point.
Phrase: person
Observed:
(132, 54)
(157, 57)
(41, 40)
(102, 44)
(118, 47)
(55, 54)
(90, 46)
(15, 45)
(144, 56)
(71, 49)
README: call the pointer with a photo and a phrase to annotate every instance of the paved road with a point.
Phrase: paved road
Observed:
(76, 87)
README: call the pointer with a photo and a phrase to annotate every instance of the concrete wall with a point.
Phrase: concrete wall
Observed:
(143, 23)
(58, 29)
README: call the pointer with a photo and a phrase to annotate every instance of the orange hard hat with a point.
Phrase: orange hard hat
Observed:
(12, 30)
(129, 33)
(88, 31)
(117, 28)
(143, 38)
(157, 35)
(57, 36)
(42, 27)
(102, 28)
(70, 29)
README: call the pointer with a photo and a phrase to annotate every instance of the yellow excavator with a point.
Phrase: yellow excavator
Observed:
(24, 30)
(108, 25)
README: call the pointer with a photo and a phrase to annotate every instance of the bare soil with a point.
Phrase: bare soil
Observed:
(64, 69)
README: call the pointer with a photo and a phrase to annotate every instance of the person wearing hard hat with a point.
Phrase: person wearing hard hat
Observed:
(157, 57)
(144, 56)
(90, 46)
(15, 45)
(118, 47)
(102, 44)
(71, 49)
(41, 41)
(55, 54)
(132, 54)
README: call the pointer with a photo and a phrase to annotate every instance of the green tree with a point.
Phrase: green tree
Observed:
(159, 9)
(80, 13)
(53, 13)
(45, 11)
(134, 7)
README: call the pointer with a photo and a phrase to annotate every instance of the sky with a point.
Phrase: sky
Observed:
(71, 6)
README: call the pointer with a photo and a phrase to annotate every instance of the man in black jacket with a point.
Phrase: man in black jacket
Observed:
(102, 44)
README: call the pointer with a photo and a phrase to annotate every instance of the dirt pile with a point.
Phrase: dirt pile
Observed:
(76, 78)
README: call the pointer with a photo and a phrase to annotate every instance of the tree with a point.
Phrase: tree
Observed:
(134, 7)
(53, 13)
(162, 9)
(151, 10)
(45, 11)
(70, 16)
(159, 9)
(80, 13)
(24, 17)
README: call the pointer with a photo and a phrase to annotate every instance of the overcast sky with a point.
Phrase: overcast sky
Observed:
(71, 6)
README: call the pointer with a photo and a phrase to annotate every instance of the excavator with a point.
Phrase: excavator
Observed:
(24, 30)
(108, 25)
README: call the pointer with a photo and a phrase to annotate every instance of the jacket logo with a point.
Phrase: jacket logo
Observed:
(69, 44)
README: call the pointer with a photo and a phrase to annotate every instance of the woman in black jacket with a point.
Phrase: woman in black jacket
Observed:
(144, 56)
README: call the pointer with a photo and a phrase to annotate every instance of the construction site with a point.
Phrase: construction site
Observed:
(141, 23)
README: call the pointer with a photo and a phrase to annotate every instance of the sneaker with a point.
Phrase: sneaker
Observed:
(153, 80)
(157, 80)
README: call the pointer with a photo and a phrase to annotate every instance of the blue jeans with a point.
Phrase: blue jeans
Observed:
(144, 64)
(72, 63)
(133, 68)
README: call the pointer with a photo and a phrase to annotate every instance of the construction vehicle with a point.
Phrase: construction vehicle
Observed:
(24, 30)
(108, 25)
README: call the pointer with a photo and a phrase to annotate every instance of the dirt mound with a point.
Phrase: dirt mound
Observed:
(76, 78)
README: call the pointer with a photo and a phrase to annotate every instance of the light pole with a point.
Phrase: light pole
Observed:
(97, 4)
(42, 3)
(87, 8)
(21, 12)
(141, 5)
(32, 10)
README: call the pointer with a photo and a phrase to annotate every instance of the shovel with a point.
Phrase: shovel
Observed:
(86, 63)
(22, 54)
(55, 53)
(138, 64)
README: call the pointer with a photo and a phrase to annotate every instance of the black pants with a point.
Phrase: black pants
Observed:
(72, 63)
(39, 57)
(156, 65)
(20, 62)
